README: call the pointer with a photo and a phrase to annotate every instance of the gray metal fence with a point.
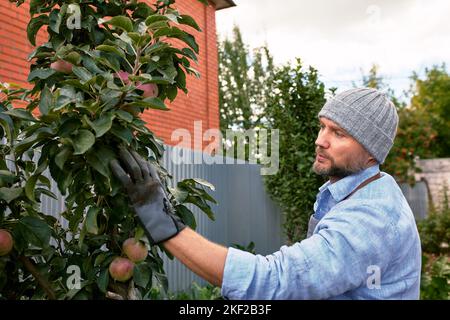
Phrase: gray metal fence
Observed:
(244, 212)
(417, 197)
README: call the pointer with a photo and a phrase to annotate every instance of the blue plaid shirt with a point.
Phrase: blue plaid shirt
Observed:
(365, 247)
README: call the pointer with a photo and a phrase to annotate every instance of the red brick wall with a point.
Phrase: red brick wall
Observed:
(201, 103)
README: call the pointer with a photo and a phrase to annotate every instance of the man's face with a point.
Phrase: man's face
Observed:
(337, 153)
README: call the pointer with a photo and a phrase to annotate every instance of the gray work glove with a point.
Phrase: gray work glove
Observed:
(147, 196)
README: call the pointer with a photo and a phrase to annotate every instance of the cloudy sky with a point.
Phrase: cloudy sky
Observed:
(343, 38)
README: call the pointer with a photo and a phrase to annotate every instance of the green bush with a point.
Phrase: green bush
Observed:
(435, 280)
(435, 230)
(196, 292)
(435, 238)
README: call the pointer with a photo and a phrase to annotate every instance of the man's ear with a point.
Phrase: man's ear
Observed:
(371, 161)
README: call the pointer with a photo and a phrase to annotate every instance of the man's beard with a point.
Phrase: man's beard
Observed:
(352, 166)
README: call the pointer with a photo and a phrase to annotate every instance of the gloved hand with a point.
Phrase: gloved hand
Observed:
(147, 195)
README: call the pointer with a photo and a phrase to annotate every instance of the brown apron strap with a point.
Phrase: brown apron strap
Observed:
(365, 183)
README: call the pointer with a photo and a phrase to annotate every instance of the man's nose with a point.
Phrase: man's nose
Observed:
(322, 140)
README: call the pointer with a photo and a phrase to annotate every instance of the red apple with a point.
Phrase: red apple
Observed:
(150, 89)
(123, 75)
(121, 269)
(62, 66)
(6, 242)
(135, 250)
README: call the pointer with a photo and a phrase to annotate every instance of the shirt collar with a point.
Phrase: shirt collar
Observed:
(343, 187)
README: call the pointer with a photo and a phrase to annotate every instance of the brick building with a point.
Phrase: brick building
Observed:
(202, 102)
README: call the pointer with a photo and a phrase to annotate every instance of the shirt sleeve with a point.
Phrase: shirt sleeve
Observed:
(347, 244)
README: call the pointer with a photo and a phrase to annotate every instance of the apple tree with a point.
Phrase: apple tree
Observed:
(105, 62)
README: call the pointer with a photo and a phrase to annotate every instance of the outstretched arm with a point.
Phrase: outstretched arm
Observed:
(205, 258)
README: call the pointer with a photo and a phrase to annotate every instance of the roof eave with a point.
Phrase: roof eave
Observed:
(223, 4)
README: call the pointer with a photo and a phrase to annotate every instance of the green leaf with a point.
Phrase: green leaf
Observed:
(75, 218)
(107, 48)
(30, 186)
(136, 37)
(142, 274)
(155, 18)
(83, 141)
(125, 116)
(91, 220)
(35, 231)
(39, 135)
(21, 114)
(8, 125)
(158, 46)
(121, 22)
(122, 133)
(202, 205)
(102, 124)
(55, 20)
(103, 280)
(142, 10)
(140, 232)
(47, 193)
(150, 103)
(171, 92)
(41, 73)
(46, 100)
(95, 160)
(179, 34)
(188, 20)
(68, 127)
(33, 27)
(90, 64)
(189, 53)
(73, 57)
(35, 6)
(205, 183)
(7, 176)
(187, 216)
(82, 73)
(146, 78)
(179, 194)
(45, 181)
(10, 194)
(62, 157)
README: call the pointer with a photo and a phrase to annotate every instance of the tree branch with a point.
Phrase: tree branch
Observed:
(28, 264)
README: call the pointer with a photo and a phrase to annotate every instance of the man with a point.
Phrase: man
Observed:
(362, 238)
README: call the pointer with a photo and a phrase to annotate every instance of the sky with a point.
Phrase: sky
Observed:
(344, 38)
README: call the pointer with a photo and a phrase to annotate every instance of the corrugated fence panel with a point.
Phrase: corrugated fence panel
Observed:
(417, 197)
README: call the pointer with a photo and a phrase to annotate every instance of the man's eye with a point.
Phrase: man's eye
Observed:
(339, 134)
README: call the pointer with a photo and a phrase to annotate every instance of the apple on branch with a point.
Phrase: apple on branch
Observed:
(62, 66)
(121, 269)
(6, 242)
(135, 250)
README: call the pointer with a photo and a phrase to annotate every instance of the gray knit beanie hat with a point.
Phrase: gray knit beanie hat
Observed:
(368, 115)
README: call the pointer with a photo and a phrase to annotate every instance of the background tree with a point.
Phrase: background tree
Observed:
(243, 83)
(90, 84)
(431, 96)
